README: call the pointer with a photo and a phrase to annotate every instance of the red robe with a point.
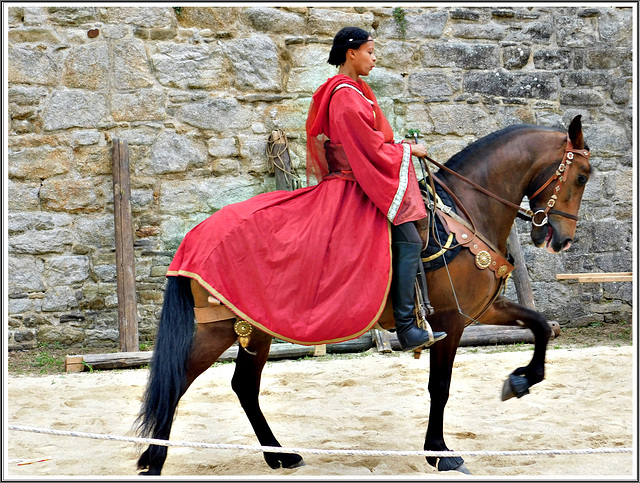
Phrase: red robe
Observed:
(313, 266)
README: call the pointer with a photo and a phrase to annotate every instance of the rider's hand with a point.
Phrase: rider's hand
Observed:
(419, 150)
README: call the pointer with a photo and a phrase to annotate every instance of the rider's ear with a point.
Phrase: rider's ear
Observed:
(575, 132)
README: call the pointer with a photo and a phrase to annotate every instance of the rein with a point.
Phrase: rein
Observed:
(560, 175)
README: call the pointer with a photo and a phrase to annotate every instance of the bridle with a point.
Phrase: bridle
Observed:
(561, 176)
(527, 214)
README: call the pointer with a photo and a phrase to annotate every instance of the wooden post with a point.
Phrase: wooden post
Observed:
(125, 263)
(520, 274)
(281, 160)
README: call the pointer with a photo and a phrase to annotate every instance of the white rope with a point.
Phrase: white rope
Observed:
(347, 452)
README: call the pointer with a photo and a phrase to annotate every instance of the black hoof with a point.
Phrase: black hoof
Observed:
(283, 460)
(515, 386)
(449, 463)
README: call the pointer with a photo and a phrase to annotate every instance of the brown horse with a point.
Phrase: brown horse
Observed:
(547, 165)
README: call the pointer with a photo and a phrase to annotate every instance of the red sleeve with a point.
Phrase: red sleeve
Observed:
(383, 169)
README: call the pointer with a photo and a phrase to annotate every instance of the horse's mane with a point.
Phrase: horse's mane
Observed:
(457, 160)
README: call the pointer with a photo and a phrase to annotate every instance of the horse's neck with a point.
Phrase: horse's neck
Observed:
(506, 172)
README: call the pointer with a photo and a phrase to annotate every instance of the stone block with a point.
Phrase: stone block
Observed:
(386, 82)
(483, 31)
(395, 54)
(255, 62)
(460, 55)
(572, 31)
(307, 80)
(218, 19)
(419, 26)
(328, 21)
(461, 120)
(538, 85)
(97, 232)
(66, 270)
(140, 16)
(275, 20)
(72, 16)
(216, 114)
(64, 335)
(173, 153)
(515, 57)
(25, 275)
(138, 105)
(131, 65)
(34, 35)
(615, 26)
(74, 108)
(547, 59)
(581, 97)
(87, 67)
(39, 163)
(535, 32)
(605, 58)
(224, 147)
(29, 64)
(39, 220)
(190, 66)
(23, 196)
(206, 195)
(72, 196)
(432, 85)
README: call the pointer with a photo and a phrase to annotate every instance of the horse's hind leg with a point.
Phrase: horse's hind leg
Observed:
(246, 384)
(504, 312)
(209, 342)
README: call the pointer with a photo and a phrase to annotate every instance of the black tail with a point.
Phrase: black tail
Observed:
(168, 365)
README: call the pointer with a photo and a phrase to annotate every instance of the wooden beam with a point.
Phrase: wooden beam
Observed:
(520, 273)
(474, 335)
(597, 277)
(278, 153)
(125, 263)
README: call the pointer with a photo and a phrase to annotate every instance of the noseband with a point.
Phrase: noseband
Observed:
(561, 176)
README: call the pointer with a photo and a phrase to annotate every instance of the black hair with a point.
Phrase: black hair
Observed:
(347, 38)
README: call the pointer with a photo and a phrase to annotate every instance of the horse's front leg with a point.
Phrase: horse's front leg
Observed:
(504, 312)
(442, 355)
(246, 384)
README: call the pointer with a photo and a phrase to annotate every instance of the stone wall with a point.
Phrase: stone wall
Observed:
(196, 91)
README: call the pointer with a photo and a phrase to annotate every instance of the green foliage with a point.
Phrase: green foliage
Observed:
(178, 10)
(411, 132)
(398, 14)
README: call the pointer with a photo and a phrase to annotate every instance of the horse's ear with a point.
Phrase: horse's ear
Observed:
(575, 132)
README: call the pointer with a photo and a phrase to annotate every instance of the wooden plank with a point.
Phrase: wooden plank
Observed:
(474, 335)
(284, 350)
(125, 262)
(597, 277)
(520, 273)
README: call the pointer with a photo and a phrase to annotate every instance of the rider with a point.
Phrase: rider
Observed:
(348, 135)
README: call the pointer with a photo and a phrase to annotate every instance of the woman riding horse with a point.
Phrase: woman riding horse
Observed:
(335, 235)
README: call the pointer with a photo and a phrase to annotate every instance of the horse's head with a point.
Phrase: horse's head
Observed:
(556, 203)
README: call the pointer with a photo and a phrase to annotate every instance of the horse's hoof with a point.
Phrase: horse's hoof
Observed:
(515, 386)
(283, 460)
(453, 463)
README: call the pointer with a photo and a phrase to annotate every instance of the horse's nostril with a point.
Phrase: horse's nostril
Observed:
(567, 244)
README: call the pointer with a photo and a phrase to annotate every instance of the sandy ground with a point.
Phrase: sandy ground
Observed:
(376, 402)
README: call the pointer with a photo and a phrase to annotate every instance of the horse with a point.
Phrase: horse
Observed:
(489, 178)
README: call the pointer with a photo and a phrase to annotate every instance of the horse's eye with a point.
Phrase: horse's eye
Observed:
(582, 179)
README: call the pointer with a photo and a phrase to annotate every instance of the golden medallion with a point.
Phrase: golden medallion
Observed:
(243, 329)
(483, 259)
(502, 270)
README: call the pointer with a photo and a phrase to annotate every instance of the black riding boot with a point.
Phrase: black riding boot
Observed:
(406, 257)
